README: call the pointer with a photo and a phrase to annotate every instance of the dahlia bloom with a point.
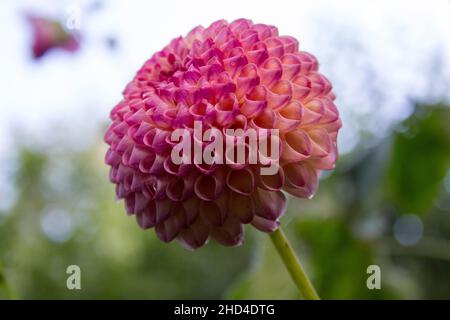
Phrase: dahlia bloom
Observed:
(229, 75)
(49, 34)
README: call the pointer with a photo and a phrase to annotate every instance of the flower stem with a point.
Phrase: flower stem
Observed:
(293, 265)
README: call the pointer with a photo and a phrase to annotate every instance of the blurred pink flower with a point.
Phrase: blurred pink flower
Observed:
(49, 34)
(229, 75)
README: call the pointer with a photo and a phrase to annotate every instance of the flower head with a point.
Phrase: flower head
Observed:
(49, 34)
(237, 75)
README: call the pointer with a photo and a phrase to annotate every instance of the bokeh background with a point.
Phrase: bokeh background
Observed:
(386, 203)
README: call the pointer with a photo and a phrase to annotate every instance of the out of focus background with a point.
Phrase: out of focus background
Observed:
(387, 202)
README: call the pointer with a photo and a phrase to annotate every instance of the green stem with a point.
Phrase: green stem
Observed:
(293, 265)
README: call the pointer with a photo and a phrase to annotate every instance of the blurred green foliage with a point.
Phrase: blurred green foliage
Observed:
(65, 214)
(420, 159)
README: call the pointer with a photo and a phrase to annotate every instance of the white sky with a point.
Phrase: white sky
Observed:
(378, 54)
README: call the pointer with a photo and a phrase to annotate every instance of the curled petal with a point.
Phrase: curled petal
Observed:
(240, 25)
(129, 203)
(203, 111)
(290, 44)
(230, 233)
(119, 110)
(139, 132)
(274, 182)
(120, 128)
(171, 227)
(149, 188)
(279, 94)
(136, 117)
(161, 186)
(241, 181)
(113, 174)
(271, 71)
(269, 204)
(163, 117)
(301, 180)
(319, 85)
(226, 110)
(265, 31)
(240, 122)
(209, 187)
(301, 87)
(183, 118)
(153, 164)
(333, 129)
(135, 156)
(111, 138)
(296, 146)
(241, 206)
(254, 102)
(140, 202)
(292, 65)
(180, 189)
(207, 169)
(157, 140)
(265, 225)
(312, 112)
(249, 38)
(289, 117)
(121, 173)
(138, 182)
(195, 235)
(321, 144)
(235, 62)
(124, 144)
(224, 85)
(147, 217)
(121, 193)
(326, 163)
(112, 158)
(321, 110)
(247, 80)
(275, 47)
(331, 112)
(215, 212)
(308, 62)
(163, 209)
(265, 120)
(191, 209)
(258, 54)
(179, 170)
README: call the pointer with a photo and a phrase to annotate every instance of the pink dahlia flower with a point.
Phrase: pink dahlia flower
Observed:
(49, 34)
(229, 75)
